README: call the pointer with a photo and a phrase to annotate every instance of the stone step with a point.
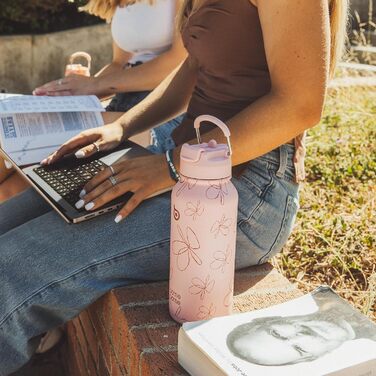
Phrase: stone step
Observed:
(130, 332)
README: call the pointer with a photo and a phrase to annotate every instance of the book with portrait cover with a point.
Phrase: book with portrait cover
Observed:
(316, 334)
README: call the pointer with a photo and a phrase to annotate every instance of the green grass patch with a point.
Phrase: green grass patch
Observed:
(334, 238)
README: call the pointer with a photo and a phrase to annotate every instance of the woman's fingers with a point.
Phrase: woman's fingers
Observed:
(97, 185)
(131, 204)
(142, 176)
(96, 192)
(105, 181)
(60, 93)
(50, 88)
(8, 165)
(89, 142)
(120, 171)
(70, 146)
(110, 194)
(91, 149)
(72, 85)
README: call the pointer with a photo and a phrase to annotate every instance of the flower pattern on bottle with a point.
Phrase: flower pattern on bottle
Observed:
(186, 248)
(222, 226)
(221, 259)
(217, 191)
(200, 287)
(194, 210)
(185, 183)
(205, 312)
(178, 315)
(228, 297)
(176, 214)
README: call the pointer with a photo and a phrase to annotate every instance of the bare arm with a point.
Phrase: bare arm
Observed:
(113, 78)
(142, 77)
(168, 100)
(147, 76)
(119, 59)
(296, 37)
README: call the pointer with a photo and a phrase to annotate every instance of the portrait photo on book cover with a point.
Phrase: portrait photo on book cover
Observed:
(288, 340)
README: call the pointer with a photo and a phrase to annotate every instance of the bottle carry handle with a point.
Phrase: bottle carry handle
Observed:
(218, 123)
(83, 54)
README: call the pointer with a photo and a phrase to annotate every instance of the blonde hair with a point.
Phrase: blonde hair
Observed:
(105, 9)
(338, 10)
(184, 8)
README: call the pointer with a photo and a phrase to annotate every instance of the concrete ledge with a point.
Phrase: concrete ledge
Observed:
(130, 332)
(349, 82)
(361, 68)
(27, 61)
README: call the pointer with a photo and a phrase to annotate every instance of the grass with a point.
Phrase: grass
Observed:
(362, 35)
(334, 238)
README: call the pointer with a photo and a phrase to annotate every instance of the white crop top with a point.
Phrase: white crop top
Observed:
(143, 29)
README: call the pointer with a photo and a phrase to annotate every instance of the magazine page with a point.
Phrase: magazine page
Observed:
(24, 158)
(10, 104)
(7, 95)
(313, 335)
(29, 138)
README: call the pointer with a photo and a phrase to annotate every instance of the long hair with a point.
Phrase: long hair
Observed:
(338, 10)
(105, 9)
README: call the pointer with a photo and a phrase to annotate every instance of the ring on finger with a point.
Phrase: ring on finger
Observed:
(96, 146)
(60, 82)
(112, 170)
(113, 180)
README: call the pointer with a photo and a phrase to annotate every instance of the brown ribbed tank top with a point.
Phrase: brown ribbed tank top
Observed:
(225, 39)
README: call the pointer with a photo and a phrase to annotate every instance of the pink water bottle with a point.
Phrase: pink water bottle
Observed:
(75, 68)
(203, 230)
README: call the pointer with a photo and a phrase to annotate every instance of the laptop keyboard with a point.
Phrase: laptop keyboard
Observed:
(68, 182)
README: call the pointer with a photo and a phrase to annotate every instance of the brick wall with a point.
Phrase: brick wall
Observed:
(129, 330)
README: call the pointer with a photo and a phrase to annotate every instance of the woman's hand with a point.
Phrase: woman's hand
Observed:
(89, 142)
(74, 84)
(5, 170)
(143, 176)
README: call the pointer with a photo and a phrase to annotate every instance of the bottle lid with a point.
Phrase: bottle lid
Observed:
(208, 161)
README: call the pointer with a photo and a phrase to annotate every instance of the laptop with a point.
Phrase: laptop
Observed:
(60, 184)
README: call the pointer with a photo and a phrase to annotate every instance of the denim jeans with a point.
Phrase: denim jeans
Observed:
(50, 271)
(161, 139)
(122, 102)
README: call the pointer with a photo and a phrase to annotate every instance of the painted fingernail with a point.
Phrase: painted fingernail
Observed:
(8, 165)
(79, 204)
(118, 218)
(82, 193)
(79, 154)
(89, 206)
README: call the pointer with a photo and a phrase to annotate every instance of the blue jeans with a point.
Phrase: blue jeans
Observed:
(122, 102)
(50, 271)
(161, 139)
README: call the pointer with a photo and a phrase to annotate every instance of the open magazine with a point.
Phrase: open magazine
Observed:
(316, 334)
(32, 127)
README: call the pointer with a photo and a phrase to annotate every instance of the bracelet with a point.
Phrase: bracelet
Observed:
(171, 167)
